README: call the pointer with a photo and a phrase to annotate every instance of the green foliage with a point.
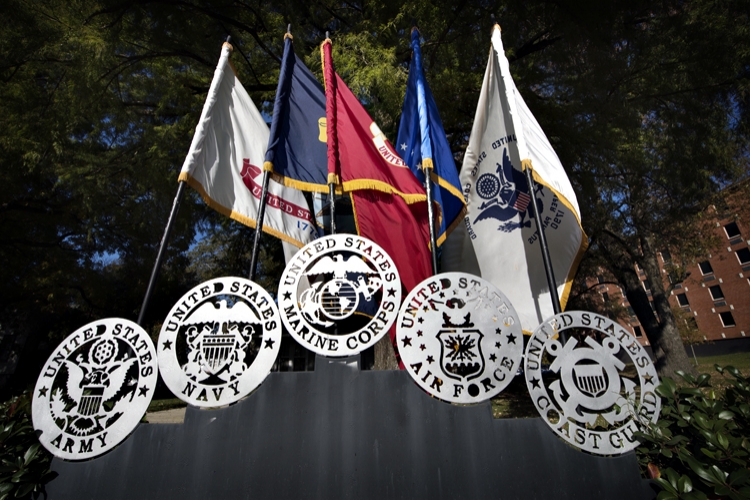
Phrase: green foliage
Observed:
(24, 464)
(701, 442)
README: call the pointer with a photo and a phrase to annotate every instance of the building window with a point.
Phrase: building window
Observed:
(732, 230)
(647, 285)
(666, 256)
(743, 255)
(716, 292)
(600, 279)
(682, 300)
(637, 331)
(605, 296)
(705, 267)
(727, 319)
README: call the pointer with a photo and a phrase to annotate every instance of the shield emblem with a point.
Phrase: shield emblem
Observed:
(91, 400)
(590, 380)
(216, 350)
(461, 355)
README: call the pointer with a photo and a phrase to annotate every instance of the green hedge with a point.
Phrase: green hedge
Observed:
(699, 447)
(24, 463)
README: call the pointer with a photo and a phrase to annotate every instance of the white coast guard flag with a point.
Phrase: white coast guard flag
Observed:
(225, 162)
(499, 240)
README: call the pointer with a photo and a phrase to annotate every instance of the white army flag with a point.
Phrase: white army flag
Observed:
(499, 239)
(225, 162)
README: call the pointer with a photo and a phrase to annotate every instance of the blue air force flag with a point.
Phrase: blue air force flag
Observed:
(499, 240)
(421, 136)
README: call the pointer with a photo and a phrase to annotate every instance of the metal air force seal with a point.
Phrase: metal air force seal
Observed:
(339, 295)
(585, 396)
(459, 338)
(94, 389)
(219, 342)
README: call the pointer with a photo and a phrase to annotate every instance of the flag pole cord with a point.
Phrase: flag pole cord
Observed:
(162, 250)
(259, 226)
(543, 243)
(431, 217)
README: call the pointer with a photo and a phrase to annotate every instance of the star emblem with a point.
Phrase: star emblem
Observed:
(493, 357)
(420, 320)
(426, 308)
(535, 382)
(649, 379)
(511, 339)
(269, 343)
(422, 347)
(143, 391)
(391, 292)
(430, 359)
(442, 295)
(403, 147)
(497, 344)
(419, 333)
(498, 331)
(287, 295)
(406, 341)
(167, 344)
(42, 392)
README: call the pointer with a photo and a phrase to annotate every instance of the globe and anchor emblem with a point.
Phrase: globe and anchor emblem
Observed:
(326, 302)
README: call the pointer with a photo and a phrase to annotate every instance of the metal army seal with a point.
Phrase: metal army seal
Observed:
(219, 342)
(585, 395)
(459, 338)
(339, 295)
(94, 389)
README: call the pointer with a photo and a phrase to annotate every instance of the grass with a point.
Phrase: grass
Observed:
(165, 404)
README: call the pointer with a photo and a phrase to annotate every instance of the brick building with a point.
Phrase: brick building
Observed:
(716, 293)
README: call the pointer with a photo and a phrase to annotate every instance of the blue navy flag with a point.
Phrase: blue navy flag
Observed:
(421, 136)
(297, 150)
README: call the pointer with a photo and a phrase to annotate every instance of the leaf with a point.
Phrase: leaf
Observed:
(726, 415)
(30, 453)
(684, 485)
(723, 441)
(739, 476)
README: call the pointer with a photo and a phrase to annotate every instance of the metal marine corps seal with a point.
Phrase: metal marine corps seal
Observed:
(219, 342)
(94, 389)
(459, 338)
(339, 295)
(585, 396)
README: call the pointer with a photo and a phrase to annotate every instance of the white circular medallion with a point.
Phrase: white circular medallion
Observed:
(339, 295)
(94, 389)
(459, 338)
(219, 342)
(586, 395)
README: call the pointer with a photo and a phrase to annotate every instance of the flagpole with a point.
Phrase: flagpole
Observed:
(259, 226)
(162, 249)
(426, 142)
(551, 283)
(330, 129)
(427, 166)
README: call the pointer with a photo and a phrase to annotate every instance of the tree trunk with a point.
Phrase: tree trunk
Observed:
(662, 332)
(385, 358)
(665, 340)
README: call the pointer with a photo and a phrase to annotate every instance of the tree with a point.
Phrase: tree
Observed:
(98, 101)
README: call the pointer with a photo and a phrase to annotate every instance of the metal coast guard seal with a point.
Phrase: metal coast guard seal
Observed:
(94, 389)
(219, 342)
(459, 338)
(585, 396)
(339, 295)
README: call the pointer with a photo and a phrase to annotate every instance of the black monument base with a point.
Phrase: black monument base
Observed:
(340, 432)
